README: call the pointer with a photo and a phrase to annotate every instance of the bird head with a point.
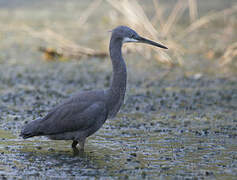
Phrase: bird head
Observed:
(126, 34)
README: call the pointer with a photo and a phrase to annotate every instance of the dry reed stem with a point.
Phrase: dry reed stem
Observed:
(88, 12)
(229, 55)
(193, 12)
(206, 19)
(136, 18)
(63, 46)
(176, 13)
(134, 14)
(159, 14)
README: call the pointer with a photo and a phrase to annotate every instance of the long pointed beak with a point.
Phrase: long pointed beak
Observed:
(147, 41)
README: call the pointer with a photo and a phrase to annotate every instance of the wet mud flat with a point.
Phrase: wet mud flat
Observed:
(179, 126)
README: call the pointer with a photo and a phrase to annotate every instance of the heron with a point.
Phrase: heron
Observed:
(84, 113)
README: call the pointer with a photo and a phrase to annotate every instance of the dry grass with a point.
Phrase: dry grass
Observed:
(193, 10)
(229, 55)
(199, 23)
(162, 26)
(60, 46)
(64, 46)
(134, 15)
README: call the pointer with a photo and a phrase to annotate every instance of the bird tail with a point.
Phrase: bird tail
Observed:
(31, 129)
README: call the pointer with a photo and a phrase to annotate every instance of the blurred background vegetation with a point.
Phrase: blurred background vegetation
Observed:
(201, 35)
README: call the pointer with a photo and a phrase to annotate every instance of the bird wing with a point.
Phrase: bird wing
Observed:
(73, 116)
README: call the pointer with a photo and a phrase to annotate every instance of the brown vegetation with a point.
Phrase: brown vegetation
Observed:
(161, 25)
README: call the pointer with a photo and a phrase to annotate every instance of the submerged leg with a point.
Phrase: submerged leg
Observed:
(74, 148)
(74, 144)
(82, 144)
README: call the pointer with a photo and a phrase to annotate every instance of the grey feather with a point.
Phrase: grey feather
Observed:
(83, 114)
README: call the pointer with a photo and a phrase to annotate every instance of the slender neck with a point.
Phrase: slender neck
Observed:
(119, 79)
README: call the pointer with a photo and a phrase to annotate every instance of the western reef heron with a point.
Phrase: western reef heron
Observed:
(83, 114)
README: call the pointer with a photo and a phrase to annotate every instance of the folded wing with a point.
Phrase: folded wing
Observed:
(68, 117)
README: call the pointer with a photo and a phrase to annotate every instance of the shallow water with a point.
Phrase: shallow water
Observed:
(188, 131)
(153, 149)
(179, 127)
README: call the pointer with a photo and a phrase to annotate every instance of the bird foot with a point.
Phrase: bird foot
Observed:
(77, 152)
(74, 144)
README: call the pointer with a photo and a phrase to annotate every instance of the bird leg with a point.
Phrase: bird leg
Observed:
(74, 144)
(74, 147)
(82, 143)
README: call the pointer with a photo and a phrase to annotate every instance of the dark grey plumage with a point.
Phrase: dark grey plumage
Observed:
(85, 113)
